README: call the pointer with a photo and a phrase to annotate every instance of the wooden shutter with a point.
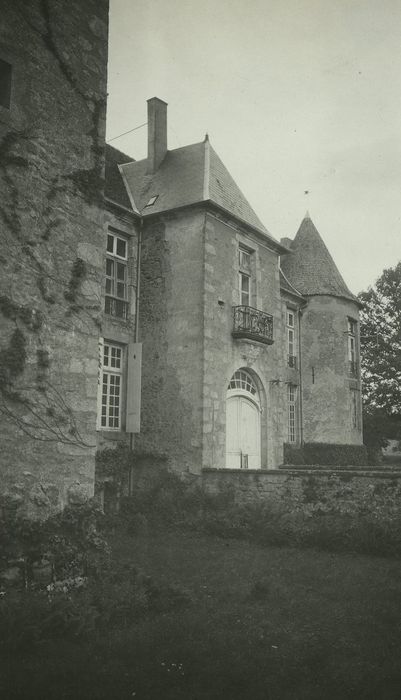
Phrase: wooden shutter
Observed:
(99, 384)
(134, 371)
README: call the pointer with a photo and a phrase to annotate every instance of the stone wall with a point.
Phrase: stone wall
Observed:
(51, 230)
(223, 354)
(300, 485)
(171, 330)
(112, 328)
(189, 285)
(326, 382)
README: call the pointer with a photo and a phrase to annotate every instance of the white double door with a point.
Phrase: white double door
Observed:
(242, 433)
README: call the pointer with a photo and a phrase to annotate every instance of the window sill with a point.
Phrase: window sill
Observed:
(112, 435)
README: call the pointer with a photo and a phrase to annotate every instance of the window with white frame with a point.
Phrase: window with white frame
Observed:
(242, 380)
(292, 413)
(245, 276)
(111, 382)
(116, 298)
(291, 339)
(352, 361)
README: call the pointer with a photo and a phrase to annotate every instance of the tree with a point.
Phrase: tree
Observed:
(381, 356)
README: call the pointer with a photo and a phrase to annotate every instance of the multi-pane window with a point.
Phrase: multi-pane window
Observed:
(291, 339)
(354, 408)
(242, 380)
(116, 299)
(292, 413)
(245, 277)
(352, 328)
(112, 386)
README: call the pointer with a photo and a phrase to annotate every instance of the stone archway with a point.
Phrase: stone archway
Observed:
(243, 422)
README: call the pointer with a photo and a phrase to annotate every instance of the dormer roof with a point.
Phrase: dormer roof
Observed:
(189, 175)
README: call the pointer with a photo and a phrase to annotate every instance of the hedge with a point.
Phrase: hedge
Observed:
(321, 453)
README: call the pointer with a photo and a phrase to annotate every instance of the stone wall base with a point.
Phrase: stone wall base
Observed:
(258, 486)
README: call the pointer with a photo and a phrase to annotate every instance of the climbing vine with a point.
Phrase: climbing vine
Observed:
(38, 292)
(78, 273)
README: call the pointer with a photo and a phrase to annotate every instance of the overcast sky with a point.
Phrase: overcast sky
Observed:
(301, 100)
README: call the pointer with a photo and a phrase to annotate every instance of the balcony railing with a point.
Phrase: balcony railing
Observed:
(292, 361)
(353, 368)
(252, 324)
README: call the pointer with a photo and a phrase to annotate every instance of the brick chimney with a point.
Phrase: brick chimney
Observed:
(157, 133)
(287, 242)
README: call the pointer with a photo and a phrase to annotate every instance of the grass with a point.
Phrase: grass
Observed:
(262, 624)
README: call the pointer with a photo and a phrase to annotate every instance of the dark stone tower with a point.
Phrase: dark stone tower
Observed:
(329, 342)
(53, 71)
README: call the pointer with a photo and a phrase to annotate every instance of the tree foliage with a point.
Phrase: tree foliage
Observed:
(381, 353)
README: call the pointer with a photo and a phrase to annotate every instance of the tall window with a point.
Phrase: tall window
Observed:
(116, 300)
(352, 363)
(291, 339)
(245, 279)
(292, 413)
(112, 368)
(354, 408)
(5, 84)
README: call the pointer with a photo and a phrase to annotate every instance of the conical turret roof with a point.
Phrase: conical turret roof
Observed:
(310, 267)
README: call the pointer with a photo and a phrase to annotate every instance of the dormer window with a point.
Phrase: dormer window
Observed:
(152, 201)
(5, 84)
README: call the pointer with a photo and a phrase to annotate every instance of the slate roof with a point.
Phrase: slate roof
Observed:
(114, 186)
(286, 286)
(189, 175)
(310, 267)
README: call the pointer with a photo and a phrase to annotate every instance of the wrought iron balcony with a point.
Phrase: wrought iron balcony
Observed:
(292, 361)
(252, 324)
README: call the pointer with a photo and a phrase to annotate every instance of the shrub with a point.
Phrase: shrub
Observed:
(293, 455)
(67, 541)
(111, 600)
(315, 453)
(328, 513)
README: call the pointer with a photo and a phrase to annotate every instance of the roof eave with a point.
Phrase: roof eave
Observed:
(266, 236)
(209, 202)
(117, 205)
(294, 291)
(350, 298)
(127, 187)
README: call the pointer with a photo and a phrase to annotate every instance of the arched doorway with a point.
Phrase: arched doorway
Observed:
(242, 422)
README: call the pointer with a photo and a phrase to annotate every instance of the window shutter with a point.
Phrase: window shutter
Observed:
(132, 270)
(133, 416)
(99, 384)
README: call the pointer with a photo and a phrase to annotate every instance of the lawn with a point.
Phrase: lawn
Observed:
(262, 624)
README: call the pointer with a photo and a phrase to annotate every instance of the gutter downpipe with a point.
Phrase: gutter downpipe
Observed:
(138, 287)
(301, 416)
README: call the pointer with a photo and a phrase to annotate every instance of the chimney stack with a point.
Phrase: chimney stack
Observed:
(157, 133)
(287, 242)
